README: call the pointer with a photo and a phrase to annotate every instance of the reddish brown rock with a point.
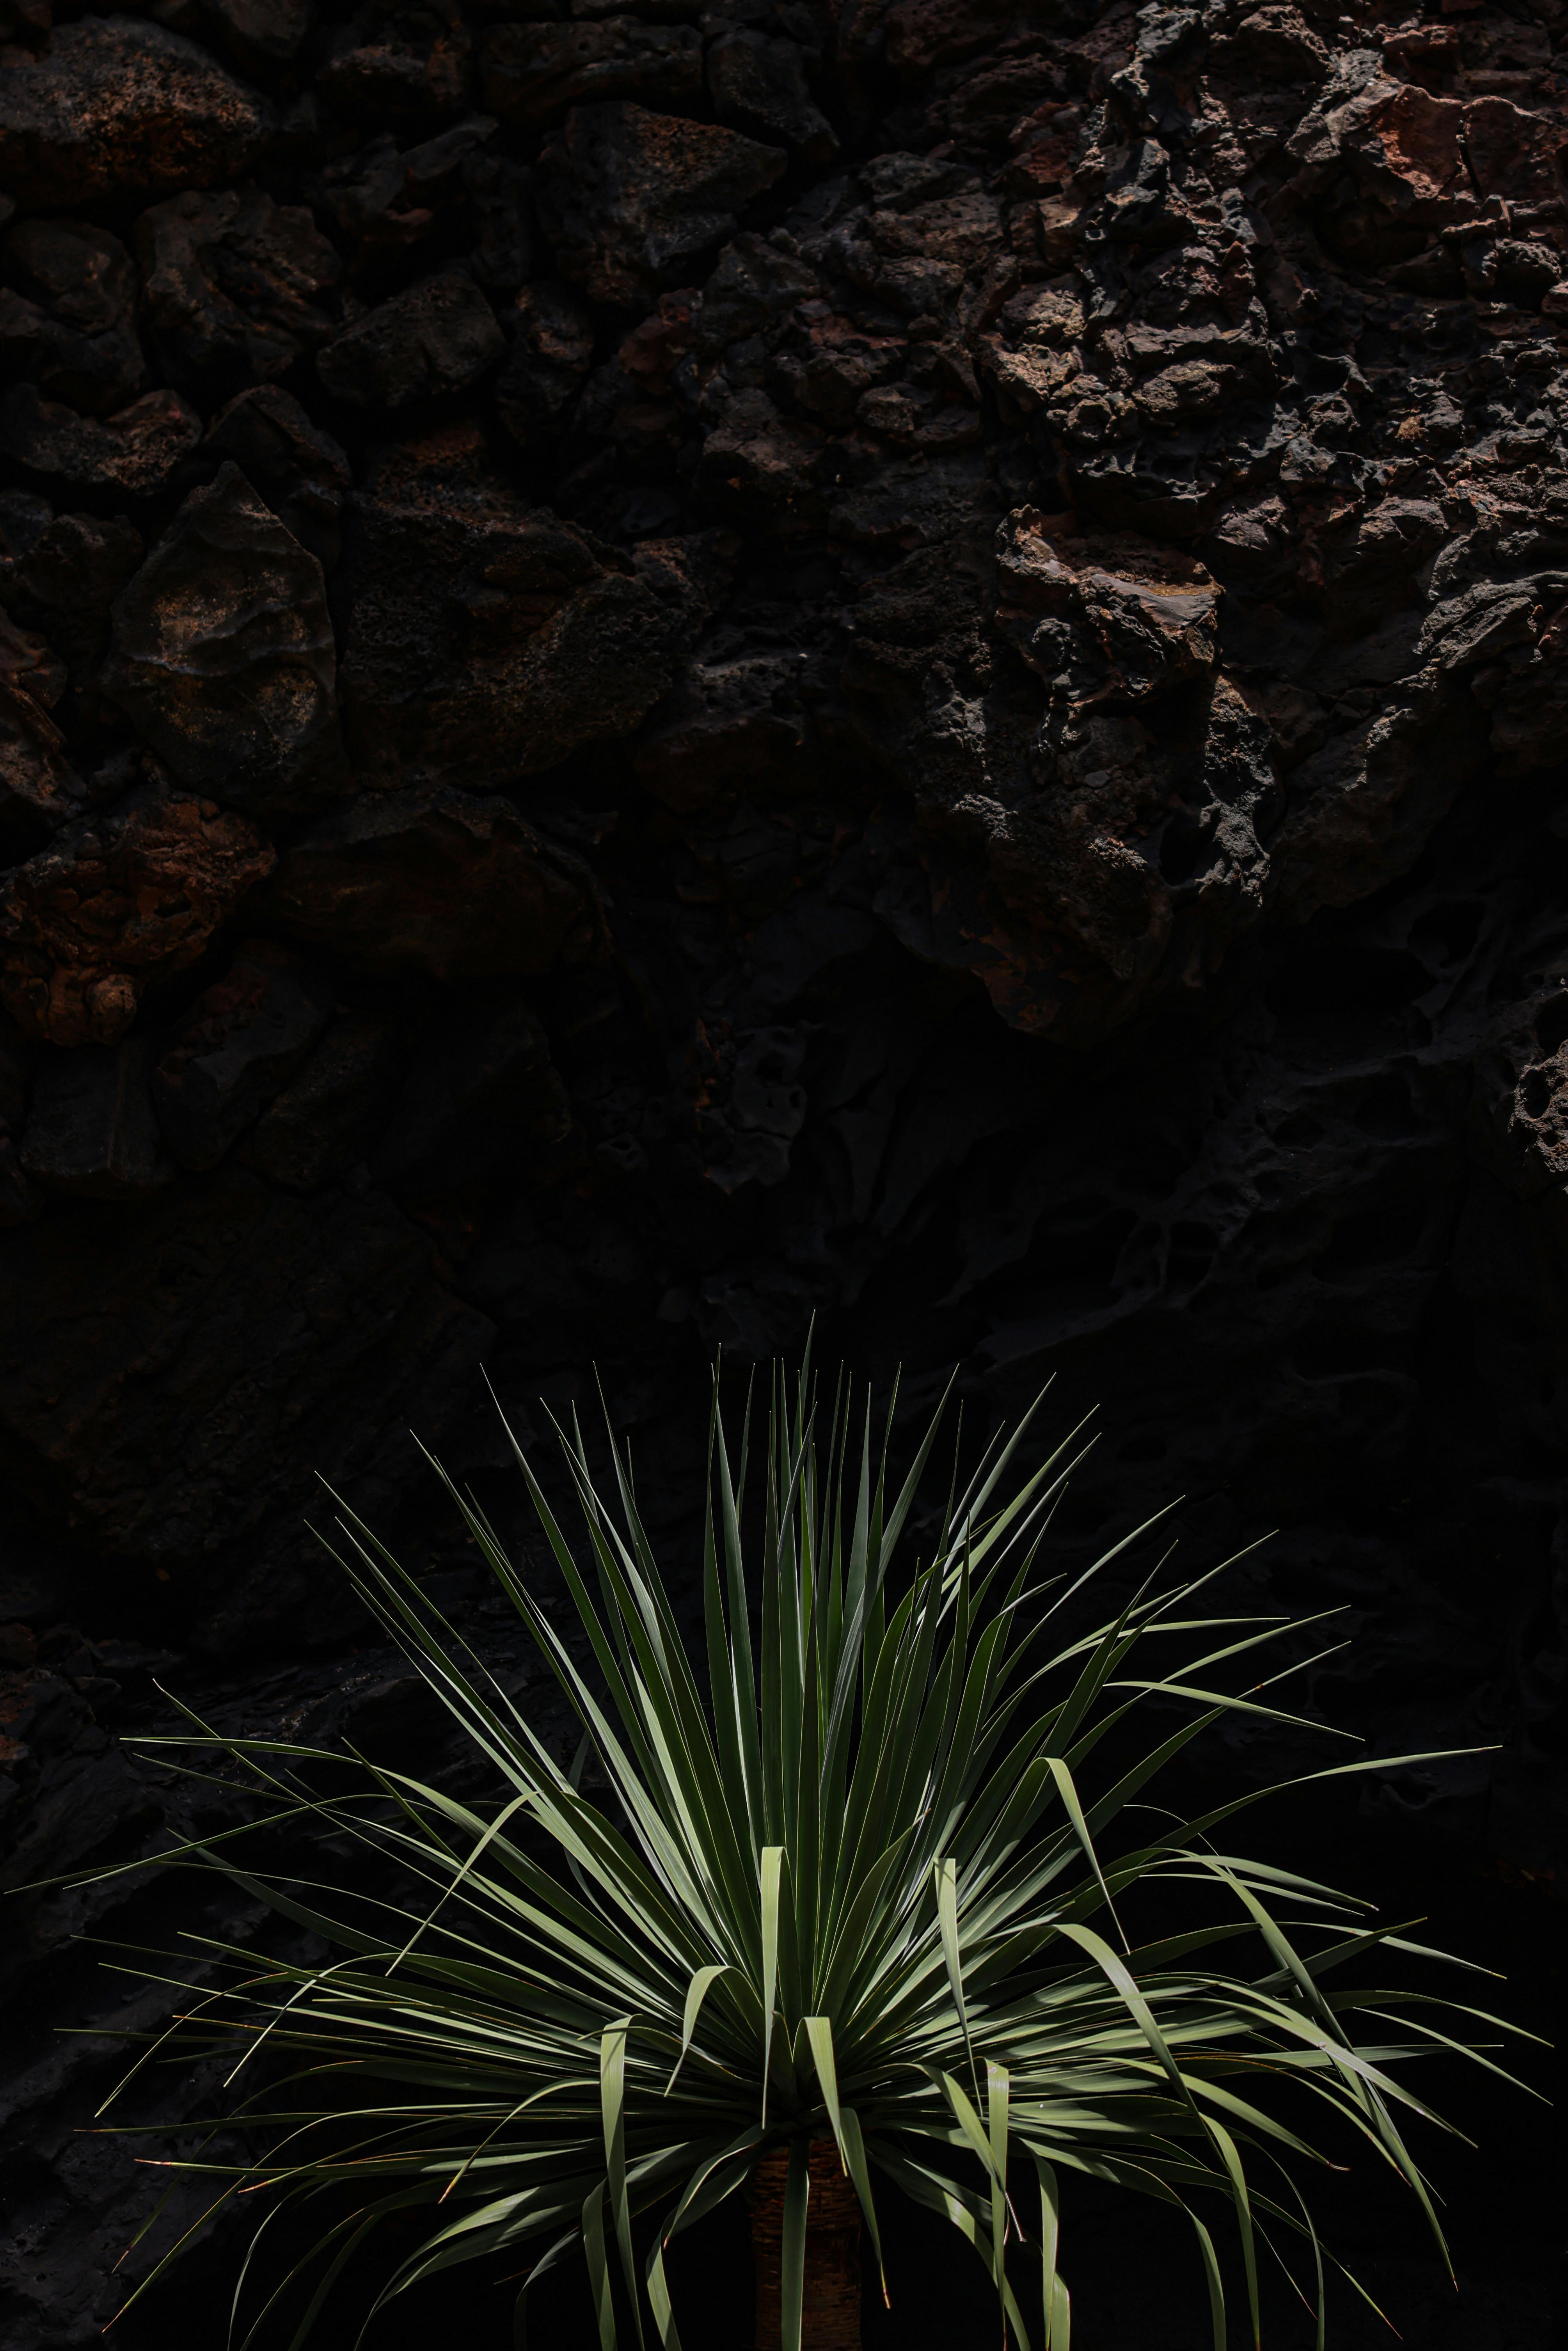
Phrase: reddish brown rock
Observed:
(114, 907)
(435, 881)
(632, 200)
(119, 108)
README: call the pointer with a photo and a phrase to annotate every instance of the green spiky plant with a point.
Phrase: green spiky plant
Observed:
(849, 1886)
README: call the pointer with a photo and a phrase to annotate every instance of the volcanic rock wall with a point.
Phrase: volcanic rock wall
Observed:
(667, 671)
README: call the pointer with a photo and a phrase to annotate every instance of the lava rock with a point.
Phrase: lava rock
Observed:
(298, 470)
(438, 336)
(222, 657)
(261, 35)
(67, 318)
(238, 1046)
(485, 1104)
(399, 62)
(119, 108)
(632, 201)
(532, 71)
(39, 791)
(234, 285)
(116, 905)
(135, 453)
(64, 583)
(759, 84)
(325, 1121)
(484, 639)
(90, 1129)
(432, 879)
(553, 349)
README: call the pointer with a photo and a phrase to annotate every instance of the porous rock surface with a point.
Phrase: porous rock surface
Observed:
(669, 671)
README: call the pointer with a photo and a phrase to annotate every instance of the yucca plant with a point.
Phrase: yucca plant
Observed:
(846, 1905)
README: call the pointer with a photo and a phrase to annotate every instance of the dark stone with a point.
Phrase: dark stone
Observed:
(484, 1105)
(485, 636)
(325, 1121)
(435, 881)
(222, 656)
(64, 583)
(90, 1129)
(39, 791)
(632, 201)
(399, 62)
(531, 71)
(387, 202)
(118, 107)
(292, 465)
(261, 35)
(759, 84)
(135, 453)
(234, 285)
(116, 905)
(238, 1046)
(552, 346)
(435, 338)
(67, 316)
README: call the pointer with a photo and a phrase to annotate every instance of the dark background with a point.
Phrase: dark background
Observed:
(672, 677)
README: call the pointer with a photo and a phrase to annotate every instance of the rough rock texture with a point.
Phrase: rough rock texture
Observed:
(904, 663)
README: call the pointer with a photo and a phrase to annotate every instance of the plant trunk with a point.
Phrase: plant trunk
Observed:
(830, 2311)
